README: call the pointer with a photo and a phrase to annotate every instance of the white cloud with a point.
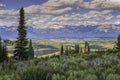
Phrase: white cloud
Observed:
(52, 14)
(97, 15)
(107, 27)
(50, 21)
(118, 16)
(2, 5)
(8, 12)
(62, 6)
(9, 18)
(8, 21)
(90, 18)
(99, 4)
(50, 7)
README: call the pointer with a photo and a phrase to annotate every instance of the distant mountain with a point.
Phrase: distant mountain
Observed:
(66, 32)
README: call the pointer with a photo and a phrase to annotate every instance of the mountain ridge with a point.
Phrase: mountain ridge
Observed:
(66, 32)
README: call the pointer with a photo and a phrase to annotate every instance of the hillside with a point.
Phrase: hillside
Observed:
(79, 66)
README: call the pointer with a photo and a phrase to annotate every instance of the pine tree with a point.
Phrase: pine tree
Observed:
(21, 43)
(67, 51)
(118, 43)
(70, 51)
(1, 49)
(86, 47)
(81, 50)
(3, 52)
(0, 45)
(62, 50)
(31, 50)
(4, 55)
(76, 48)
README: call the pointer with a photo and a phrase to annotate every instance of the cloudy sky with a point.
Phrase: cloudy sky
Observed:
(59, 13)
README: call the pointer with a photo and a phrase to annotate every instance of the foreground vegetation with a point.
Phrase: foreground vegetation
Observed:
(93, 66)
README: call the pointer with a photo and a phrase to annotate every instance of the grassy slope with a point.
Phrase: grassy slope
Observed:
(107, 44)
(73, 67)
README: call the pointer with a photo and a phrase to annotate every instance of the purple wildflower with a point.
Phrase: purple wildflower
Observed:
(117, 61)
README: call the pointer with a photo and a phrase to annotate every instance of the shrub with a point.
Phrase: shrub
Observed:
(90, 77)
(113, 77)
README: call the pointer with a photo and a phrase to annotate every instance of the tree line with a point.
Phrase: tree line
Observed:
(66, 50)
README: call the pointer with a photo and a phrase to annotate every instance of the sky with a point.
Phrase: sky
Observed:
(56, 14)
(17, 4)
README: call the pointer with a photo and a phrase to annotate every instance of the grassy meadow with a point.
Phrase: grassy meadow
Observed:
(41, 46)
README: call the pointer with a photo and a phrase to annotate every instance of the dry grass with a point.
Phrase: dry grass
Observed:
(42, 49)
(10, 55)
(48, 55)
(108, 45)
(10, 47)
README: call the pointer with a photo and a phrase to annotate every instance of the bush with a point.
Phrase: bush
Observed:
(113, 77)
(36, 73)
(39, 73)
(90, 77)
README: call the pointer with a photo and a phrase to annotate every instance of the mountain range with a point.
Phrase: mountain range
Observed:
(81, 31)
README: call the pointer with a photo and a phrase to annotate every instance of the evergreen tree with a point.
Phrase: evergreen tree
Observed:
(86, 47)
(70, 51)
(76, 48)
(118, 43)
(62, 50)
(0, 45)
(81, 50)
(67, 51)
(21, 43)
(1, 50)
(4, 55)
(31, 50)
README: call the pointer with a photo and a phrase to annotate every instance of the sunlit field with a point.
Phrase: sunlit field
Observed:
(49, 46)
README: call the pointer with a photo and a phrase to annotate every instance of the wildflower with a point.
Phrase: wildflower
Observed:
(117, 61)
(67, 66)
(113, 61)
(97, 61)
(89, 63)
(92, 63)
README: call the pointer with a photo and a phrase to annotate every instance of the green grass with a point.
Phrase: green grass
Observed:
(106, 44)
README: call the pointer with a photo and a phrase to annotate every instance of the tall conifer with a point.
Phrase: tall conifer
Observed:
(31, 50)
(1, 49)
(4, 54)
(62, 50)
(21, 43)
(118, 43)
